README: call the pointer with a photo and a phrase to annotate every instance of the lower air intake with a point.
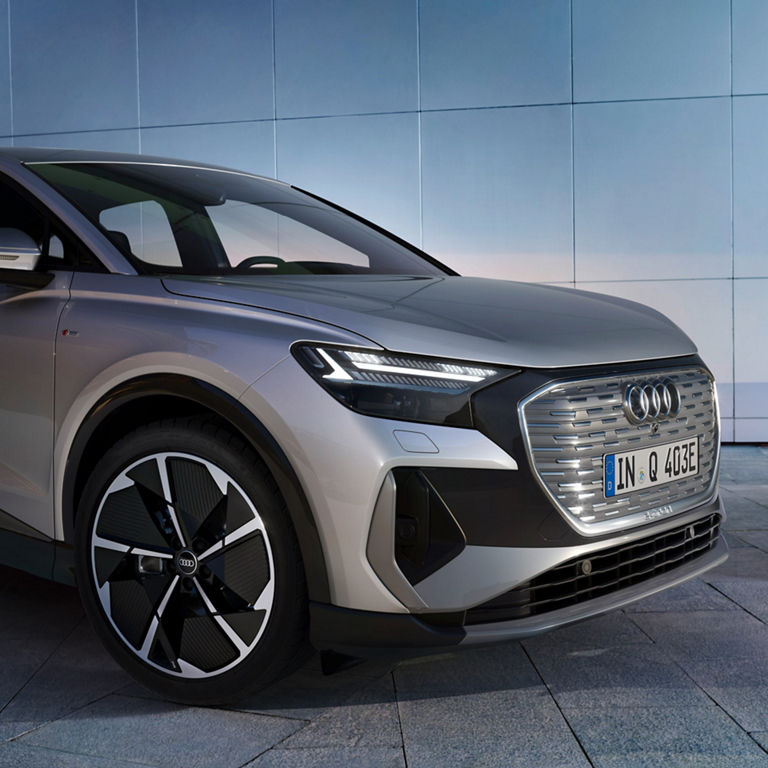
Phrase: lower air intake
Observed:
(601, 573)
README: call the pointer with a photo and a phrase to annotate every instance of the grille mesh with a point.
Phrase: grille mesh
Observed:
(601, 573)
(569, 427)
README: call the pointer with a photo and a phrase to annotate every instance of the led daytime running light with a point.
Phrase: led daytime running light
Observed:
(417, 372)
(364, 361)
(337, 372)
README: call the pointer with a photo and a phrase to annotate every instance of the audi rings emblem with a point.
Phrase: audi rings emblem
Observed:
(649, 401)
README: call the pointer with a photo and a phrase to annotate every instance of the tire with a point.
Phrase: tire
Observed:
(187, 564)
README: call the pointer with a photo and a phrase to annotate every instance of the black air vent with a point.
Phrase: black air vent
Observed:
(426, 534)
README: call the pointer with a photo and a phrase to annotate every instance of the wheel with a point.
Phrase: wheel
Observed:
(187, 564)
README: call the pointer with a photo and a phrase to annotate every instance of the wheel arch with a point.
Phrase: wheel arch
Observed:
(159, 395)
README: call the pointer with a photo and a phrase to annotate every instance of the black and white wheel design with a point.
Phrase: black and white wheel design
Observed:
(189, 563)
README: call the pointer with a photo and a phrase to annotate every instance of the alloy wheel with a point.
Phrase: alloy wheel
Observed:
(182, 565)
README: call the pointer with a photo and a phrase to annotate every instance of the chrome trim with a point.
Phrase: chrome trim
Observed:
(651, 401)
(608, 439)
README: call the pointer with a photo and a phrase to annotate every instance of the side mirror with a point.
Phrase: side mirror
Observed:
(18, 250)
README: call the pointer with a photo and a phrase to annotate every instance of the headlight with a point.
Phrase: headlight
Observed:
(397, 386)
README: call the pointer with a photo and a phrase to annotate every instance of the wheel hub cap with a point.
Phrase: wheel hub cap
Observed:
(186, 562)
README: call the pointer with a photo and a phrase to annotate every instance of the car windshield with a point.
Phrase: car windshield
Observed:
(171, 219)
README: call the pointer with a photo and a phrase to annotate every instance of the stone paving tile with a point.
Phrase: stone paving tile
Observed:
(694, 595)
(158, 733)
(501, 667)
(725, 654)
(704, 737)
(638, 676)
(738, 686)
(761, 737)
(742, 562)
(308, 693)
(15, 755)
(737, 538)
(707, 635)
(754, 492)
(488, 729)
(757, 539)
(79, 672)
(28, 604)
(758, 494)
(481, 708)
(748, 475)
(743, 464)
(304, 695)
(750, 594)
(742, 513)
(332, 757)
(368, 719)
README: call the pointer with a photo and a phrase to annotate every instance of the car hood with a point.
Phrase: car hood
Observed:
(492, 321)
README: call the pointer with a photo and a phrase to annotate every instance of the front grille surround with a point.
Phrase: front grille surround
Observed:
(569, 426)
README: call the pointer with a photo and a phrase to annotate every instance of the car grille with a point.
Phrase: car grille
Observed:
(570, 426)
(601, 573)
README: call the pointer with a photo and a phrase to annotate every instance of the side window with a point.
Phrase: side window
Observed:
(56, 249)
(59, 250)
(143, 229)
(57, 254)
(17, 213)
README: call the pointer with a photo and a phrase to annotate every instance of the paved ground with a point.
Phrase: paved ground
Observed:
(680, 679)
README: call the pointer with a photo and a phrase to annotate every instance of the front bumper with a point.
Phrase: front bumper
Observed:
(366, 633)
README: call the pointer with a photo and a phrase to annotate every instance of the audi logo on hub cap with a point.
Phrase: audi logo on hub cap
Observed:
(649, 401)
(186, 563)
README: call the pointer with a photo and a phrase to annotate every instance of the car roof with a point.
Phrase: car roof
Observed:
(26, 155)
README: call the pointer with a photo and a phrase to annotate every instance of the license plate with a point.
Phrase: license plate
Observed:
(647, 467)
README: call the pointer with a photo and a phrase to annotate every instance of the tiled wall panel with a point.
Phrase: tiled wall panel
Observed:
(653, 189)
(247, 146)
(73, 65)
(650, 49)
(212, 64)
(750, 430)
(750, 52)
(750, 186)
(497, 191)
(336, 58)
(751, 348)
(6, 127)
(520, 53)
(107, 141)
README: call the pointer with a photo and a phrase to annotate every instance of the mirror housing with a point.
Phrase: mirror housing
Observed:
(18, 250)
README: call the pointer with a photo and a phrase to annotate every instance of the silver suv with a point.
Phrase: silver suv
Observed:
(242, 418)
